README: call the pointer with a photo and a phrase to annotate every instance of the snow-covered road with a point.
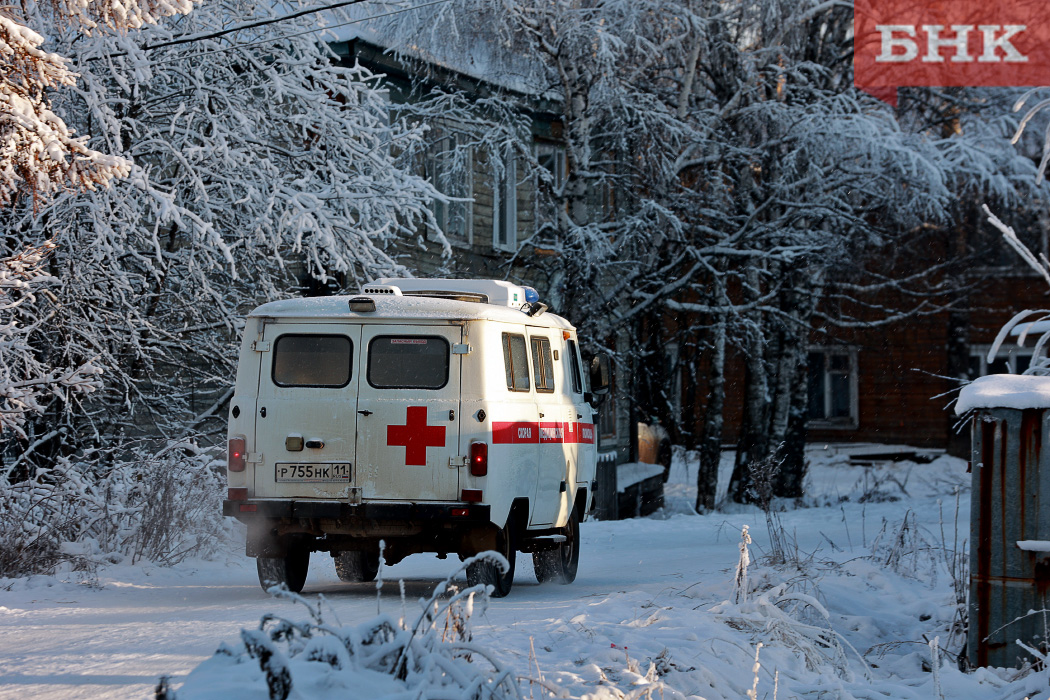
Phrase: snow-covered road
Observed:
(63, 640)
(650, 591)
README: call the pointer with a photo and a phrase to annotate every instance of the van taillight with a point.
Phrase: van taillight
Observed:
(479, 458)
(236, 457)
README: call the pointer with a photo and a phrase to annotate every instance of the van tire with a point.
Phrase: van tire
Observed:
(560, 565)
(289, 570)
(357, 567)
(487, 573)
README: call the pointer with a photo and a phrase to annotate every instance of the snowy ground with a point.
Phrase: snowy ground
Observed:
(654, 601)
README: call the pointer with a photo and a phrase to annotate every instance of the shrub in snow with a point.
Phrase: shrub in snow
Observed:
(796, 621)
(160, 507)
(434, 656)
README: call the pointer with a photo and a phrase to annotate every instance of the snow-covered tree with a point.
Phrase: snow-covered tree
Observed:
(26, 379)
(261, 169)
(39, 154)
(727, 189)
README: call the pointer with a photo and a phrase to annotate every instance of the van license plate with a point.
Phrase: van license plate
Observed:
(312, 473)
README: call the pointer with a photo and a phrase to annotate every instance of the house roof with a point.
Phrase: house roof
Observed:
(440, 43)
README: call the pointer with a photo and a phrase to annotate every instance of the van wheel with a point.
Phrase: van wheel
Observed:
(289, 570)
(488, 573)
(357, 567)
(560, 565)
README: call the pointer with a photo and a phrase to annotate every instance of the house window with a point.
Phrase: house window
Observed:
(550, 157)
(1008, 360)
(505, 205)
(448, 167)
(833, 387)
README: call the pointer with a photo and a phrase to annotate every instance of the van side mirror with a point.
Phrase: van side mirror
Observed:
(601, 374)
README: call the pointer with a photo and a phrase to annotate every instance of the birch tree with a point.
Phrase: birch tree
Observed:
(727, 189)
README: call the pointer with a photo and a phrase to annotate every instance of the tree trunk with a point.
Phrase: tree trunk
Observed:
(711, 442)
(788, 482)
(786, 359)
(802, 298)
(754, 443)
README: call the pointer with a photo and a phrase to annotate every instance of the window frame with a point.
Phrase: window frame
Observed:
(852, 421)
(505, 204)
(349, 369)
(1009, 353)
(435, 169)
(508, 365)
(575, 366)
(448, 363)
(542, 364)
(557, 156)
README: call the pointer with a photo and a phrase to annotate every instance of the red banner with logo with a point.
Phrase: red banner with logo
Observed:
(954, 43)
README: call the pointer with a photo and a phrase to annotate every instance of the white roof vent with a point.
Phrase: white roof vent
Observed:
(382, 289)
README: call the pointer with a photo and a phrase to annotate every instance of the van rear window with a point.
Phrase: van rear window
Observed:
(312, 360)
(408, 362)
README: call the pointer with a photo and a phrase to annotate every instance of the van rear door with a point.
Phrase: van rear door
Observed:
(408, 413)
(305, 423)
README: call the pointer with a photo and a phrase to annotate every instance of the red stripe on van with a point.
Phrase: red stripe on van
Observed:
(526, 433)
(553, 432)
(515, 433)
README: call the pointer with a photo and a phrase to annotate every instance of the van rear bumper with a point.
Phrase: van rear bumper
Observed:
(337, 510)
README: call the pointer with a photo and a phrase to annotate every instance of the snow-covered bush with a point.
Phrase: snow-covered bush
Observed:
(433, 656)
(161, 507)
(796, 621)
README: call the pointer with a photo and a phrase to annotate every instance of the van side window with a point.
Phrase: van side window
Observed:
(312, 361)
(408, 362)
(542, 366)
(574, 368)
(516, 360)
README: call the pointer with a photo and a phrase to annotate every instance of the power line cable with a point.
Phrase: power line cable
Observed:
(265, 22)
(270, 40)
(250, 25)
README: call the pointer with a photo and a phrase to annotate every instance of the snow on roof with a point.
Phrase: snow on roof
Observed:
(430, 35)
(1004, 391)
(404, 308)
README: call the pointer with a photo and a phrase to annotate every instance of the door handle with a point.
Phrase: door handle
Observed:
(315, 444)
(541, 415)
(579, 416)
(365, 412)
(452, 414)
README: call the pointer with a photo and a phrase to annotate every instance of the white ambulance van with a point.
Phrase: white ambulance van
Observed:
(435, 415)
